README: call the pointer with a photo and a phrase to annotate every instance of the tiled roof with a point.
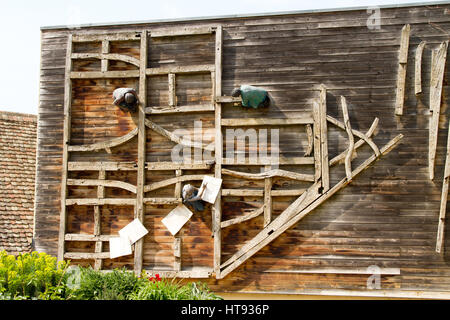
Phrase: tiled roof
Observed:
(17, 173)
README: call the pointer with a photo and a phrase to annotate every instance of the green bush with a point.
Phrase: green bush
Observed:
(39, 276)
(32, 276)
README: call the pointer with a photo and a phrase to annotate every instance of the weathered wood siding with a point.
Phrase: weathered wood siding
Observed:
(386, 217)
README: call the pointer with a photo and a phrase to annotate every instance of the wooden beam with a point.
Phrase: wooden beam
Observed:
(65, 153)
(102, 183)
(179, 109)
(218, 153)
(324, 138)
(228, 99)
(122, 36)
(101, 202)
(269, 161)
(270, 174)
(140, 206)
(97, 220)
(86, 255)
(158, 201)
(187, 31)
(237, 122)
(268, 197)
(177, 253)
(203, 68)
(97, 166)
(401, 74)
(351, 140)
(444, 196)
(107, 56)
(316, 143)
(86, 237)
(204, 165)
(310, 135)
(194, 273)
(418, 68)
(243, 218)
(105, 144)
(104, 75)
(296, 211)
(168, 182)
(436, 80)
(260, 193)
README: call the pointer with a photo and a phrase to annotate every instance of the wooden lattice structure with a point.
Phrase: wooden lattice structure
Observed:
(343, 96)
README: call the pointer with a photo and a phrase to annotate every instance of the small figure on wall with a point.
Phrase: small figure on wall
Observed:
(193, 196)
(126, 99)
(252, 96)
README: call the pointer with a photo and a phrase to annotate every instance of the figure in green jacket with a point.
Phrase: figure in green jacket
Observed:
(252, 96)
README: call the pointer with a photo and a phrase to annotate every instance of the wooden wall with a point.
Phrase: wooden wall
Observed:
(386, 217)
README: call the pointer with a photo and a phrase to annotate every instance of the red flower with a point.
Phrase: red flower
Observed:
(156, 278)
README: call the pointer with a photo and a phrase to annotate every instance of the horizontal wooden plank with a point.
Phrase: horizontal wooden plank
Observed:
(180, 69)
(120, 36)
(179, 109)
(104, 74)
(237, 122)
(100, 202)
(176, 32)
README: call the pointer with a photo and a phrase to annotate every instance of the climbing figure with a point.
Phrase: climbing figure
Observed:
(125, 99)
(252, 96)
(193, 196)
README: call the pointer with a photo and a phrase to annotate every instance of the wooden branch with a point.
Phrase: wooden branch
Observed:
(357, 133)
(418, 68)
(123, 36)
(105, 62)
(205, 68)
(358, 144)
(316, 143)
(195, 273)
(177, 253)
(107, 56)
(97, 220)
(104, 75)
(237, 122)
(324, 139)
(444, 196)
(174, 138)
(188, 31)
(243, 218)
(168, 182)
(309, 133)
(351, 140)
(179, 109)
(104, 183)
(65, 153)
(86, 237)
(270, 174)
(401, 75)
(437, 77)
(105, 144)
(101, 202)
(296, 211)
(86, 255)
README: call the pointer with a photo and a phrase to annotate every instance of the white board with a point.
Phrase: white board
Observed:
(176, 219)
(133, 231)
(212, 188)
(118, 247)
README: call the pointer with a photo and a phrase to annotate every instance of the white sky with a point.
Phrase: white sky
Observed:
(20, 22)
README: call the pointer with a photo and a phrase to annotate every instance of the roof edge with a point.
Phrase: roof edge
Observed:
(15, 116)
(246, 15)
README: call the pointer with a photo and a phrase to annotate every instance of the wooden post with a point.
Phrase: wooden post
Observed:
(172, 91)
(418, 68)
(66, 141)
(105, 50)
(97, 221)
(401, 75)
(267, 198)
(217, 208)
(178, 236)
(324, 138)
(351, 139)
(140, 207)
(436, 80)
(444, 195)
